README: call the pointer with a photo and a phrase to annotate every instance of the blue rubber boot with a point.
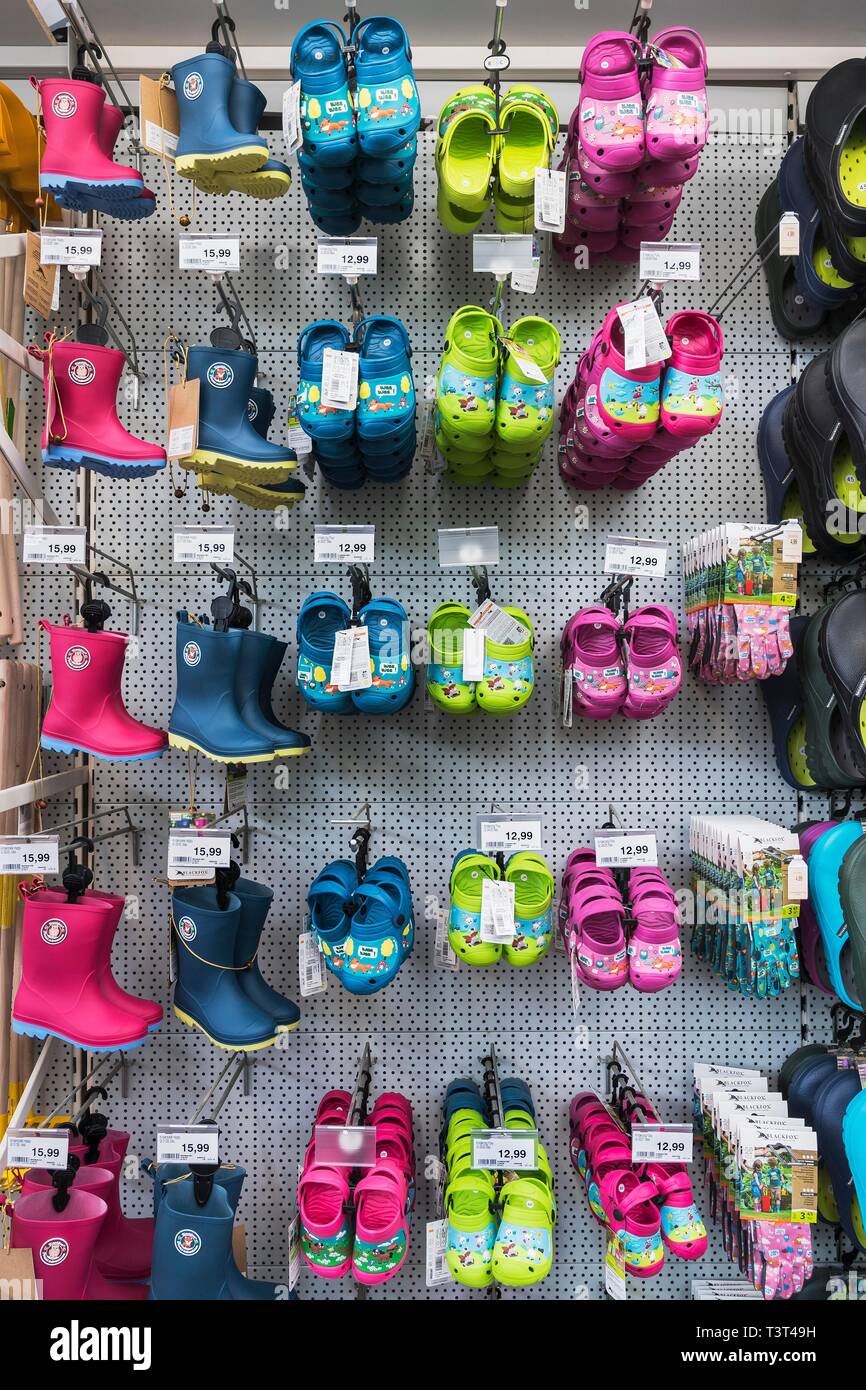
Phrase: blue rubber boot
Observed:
(228, 443)
(207, 991)
(261, 410)
(192, 1251)
(206, 715)
(246, 107)
(230, 1179)
(209, 143)
(255, 900)
(251, 675)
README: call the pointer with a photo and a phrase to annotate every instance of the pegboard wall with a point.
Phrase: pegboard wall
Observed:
(426, 775)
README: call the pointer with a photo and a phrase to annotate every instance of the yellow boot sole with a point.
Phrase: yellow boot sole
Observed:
(226, 1047)
(244, 160)
(238, 469)
(177, 741)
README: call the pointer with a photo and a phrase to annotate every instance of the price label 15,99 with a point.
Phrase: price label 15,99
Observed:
(67, 246)
(187, 1144)
(54, 545)
(203, 543)
(29, 854)
(37, 1148)
(195, 854)
(219, 251)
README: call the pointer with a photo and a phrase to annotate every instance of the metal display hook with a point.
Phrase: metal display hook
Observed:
(86, 1081)
(239, 1066)
(129, 828)
(616, 595)
(497, 61)
(360, 839)
(357, 1112)
(641, 20)
(619, 1063)
(720, 297)
(230, 302)
(82, 35)
(492, 1088)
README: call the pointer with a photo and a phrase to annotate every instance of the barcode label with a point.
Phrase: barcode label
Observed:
(437, 1241)
(311, 967)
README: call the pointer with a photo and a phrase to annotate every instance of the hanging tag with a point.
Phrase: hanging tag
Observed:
(183, 401)
(37, 1148)
(656, 345)
(426, 449)
(350, 666)
(497, 910)
(789, 234)
(632, 320)
(437, 1241)
(798, 879)
(299, 441)
(526, 281)
(339, 379)
(498, 625)
(575, 984)
(236, 788)
(526, 363)
(54, 545)
(614, 1269)
(474, 644)
(792, 545)
(311, 967)
(159, 118)
(293, 133)
(443, 956)
(39, 279)
(294, 1251)
(550, 192)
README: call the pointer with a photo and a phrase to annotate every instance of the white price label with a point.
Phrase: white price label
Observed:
(497, 910)
(622, 849)
(181, 439)
(792, 544)
(550, 193)
(526, 281)
(64, 246)
(55, 545)
(504, 835)
(468, 545)
(444, 957)
(502, 255)
(218, 251)
(512, 1150)
(635, 555)
(29, 854)
(294, 1251)
(202, 543)
(670, 260)
(201, 851)
(474, 651)
(798, 878)
(37, 1148)
(187, 1144)
(661, 1143)
(350, 664)
(351, 255)
(344, 545)
(339, 379)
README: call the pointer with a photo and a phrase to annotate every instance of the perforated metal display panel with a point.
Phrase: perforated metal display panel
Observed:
(424, 774)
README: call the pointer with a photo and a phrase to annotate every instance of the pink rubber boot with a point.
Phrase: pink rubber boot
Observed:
(125, 1244)
(87, 713)
(146, 1009)
(98, 1181)
(61, 969)
(75, 167)
(81, 430)
(62, 1241)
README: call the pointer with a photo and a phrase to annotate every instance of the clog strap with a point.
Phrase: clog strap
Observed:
(337, 1178)
(320, 323)
(399, 328)
(386, 1177)
(653, 615)
(621, 1206)
(676, 1184)
(606, 37)
(373, 19)
(473, 1180)
(525, 1190)
(657, 42)
(713, 324)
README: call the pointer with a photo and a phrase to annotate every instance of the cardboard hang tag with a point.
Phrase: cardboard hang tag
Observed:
(183, 401)
(39, 280)
(18, 1280)
(158, 117)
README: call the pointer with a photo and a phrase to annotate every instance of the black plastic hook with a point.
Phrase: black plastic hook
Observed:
(77, 877)
(94, 611)
(359, 576)
(480, 583)
(360, 843)
(61, 1180)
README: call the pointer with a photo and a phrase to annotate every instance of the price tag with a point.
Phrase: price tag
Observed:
(670, 260)
(293, 133)
(615, 849)
(798, 878)
(550, 192)
(526, 281)
(503, 835)
(37, 1148)
(474, 650)
(792, 545)
(789, 234)
(187, 1144)
(350, 665)
(311, 967)
(635, 555)
(502, 255)
(29, 854)
(55, 545)
(66, 246)
(294, 1251)
(661, 1143)
(213, 251)
(444, 957)
(497, 910)
(514, 1150)
(339, 379)
(299, 440)
(197, 853)
(468, 545)
(437, 1241)
(349, 255)
(202, 543)
(614, 1269)
(236, 788)
(344, 545)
